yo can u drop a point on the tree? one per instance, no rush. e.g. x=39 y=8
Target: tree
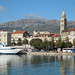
x=45 y=44
x=13 y=42
x=63 y=44
x=52 y=43
x=67 y=39
x=25 y=41
x=68 y=44
x=35 y=43
x=74 y=42
x=19 y=41
x=59 y=43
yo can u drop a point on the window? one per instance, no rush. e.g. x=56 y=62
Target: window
x=4 y=35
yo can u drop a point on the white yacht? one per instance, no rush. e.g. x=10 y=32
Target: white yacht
x=9 y=50
x=69 y=50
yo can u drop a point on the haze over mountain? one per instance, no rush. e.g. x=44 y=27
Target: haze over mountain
x=35 y=24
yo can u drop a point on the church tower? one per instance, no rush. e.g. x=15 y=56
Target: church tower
x=63 y=22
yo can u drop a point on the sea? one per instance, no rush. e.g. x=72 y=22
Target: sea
x=24 y=64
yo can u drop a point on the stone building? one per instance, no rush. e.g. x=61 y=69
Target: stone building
x=63 y=22
x=64 y=32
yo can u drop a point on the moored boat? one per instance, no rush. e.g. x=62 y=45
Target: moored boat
x=69 y=50
x=9 y=50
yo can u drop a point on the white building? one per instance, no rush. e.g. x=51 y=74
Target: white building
x=71 y=34
x=5 y=37
x=19 y=34
x=44 y=35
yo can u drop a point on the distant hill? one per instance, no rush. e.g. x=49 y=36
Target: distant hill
x=34 y=24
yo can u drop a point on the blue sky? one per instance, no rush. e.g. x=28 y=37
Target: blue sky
x=11 y=10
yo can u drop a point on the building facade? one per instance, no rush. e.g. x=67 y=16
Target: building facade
x=44 y=35
x=19 y=34
x=5 y=37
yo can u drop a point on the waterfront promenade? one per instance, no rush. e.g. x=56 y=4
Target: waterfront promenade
x=48 y=53
x=42 y=53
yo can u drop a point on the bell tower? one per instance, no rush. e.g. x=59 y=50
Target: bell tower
x=63 y=22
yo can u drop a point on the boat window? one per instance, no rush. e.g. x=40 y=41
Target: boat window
x=12 y=48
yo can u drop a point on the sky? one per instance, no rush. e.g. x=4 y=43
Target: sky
x=12 y=10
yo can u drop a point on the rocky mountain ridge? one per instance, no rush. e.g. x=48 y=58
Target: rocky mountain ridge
x=35 y=24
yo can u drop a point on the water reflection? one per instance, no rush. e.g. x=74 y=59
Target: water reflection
x=37 y=65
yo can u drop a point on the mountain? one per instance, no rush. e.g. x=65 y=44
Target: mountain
x=35 y=24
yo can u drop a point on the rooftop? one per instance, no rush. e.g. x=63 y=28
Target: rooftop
x=19 y=32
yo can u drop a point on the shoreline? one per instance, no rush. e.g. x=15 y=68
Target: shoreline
x=48 y=53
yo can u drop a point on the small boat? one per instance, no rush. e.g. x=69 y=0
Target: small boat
x=9 y=50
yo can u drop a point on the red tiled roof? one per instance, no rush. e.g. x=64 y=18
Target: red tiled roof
x=52 y=34
x=72 y=29
x=55 y=34
x=19 y=32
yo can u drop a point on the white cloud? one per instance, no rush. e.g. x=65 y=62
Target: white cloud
x=2 y=8
x=40 y=17
x=34 y=16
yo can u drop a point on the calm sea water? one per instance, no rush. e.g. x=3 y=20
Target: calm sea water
x=37 y=65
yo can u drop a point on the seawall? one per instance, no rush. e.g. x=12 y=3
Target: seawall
x=49 y=53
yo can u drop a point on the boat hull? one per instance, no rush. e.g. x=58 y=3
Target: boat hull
x=10 y=51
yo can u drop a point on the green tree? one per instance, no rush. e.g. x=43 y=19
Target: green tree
x=35 y=43
x=68 y=44
x=59 y=43
x=45 y=44
x=19 y=41
x=67 y=39
x=52 y=43
x=74 y=42
x=63 y=44
x=25 y=41
x=13 y=42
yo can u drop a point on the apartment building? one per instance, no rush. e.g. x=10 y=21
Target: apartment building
x=5 y=37
x=19 y=34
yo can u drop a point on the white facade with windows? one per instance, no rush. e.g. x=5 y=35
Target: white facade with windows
x=5 y=37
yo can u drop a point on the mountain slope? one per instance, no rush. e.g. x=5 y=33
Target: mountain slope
x=34 y=24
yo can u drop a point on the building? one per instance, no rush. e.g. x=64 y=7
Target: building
x=5 y=37
x=44 y=35
x=64 y=32
x=19 y=34
x=63 y=22
x=71 y=34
